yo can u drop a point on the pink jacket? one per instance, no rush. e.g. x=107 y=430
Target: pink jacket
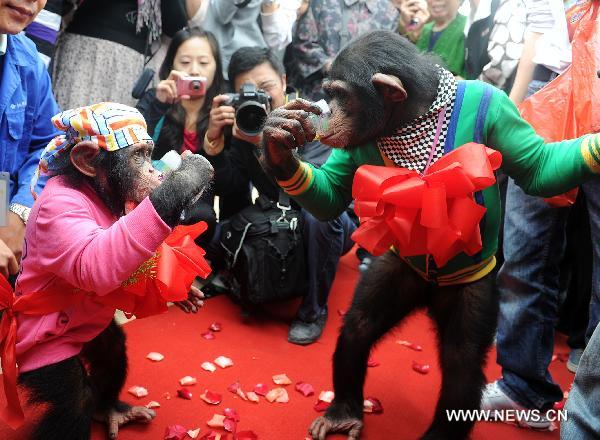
x=72 y=239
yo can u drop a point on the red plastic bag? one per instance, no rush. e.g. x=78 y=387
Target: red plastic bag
x=569 y=106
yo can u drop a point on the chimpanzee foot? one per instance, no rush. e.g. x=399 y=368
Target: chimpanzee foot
x=123 y=414
x=322 y=426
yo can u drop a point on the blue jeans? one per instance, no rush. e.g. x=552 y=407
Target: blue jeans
x=583 y=405
x=529 y=285
x=325 y=243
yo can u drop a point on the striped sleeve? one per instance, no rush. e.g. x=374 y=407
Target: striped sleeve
x=299 y=182
x=590 y=150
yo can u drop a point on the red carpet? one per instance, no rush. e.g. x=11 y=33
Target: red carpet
x=259 y=350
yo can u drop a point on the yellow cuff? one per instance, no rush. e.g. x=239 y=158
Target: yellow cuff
x=590 y=150
x=299 y=182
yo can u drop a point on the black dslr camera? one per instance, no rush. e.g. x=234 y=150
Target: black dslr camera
x=250 y=108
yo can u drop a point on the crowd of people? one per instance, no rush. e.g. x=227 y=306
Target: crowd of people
x=178 y=70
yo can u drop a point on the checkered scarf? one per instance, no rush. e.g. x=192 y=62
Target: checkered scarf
x=410 y=147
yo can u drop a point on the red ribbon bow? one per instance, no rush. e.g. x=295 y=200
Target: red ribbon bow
x=166 y=278
x=431 y=214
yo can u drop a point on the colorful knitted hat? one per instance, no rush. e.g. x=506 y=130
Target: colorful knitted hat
x=110 y=125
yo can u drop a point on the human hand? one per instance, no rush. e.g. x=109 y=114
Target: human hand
x=220 y=117
x=166 y=90
x=8 y=262
x=194 y=301
x=12 y=235
x=414 y=14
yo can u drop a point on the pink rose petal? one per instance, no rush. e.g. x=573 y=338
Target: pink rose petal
x=215 y=327
x=208 y=366
x=175 y=432
x=188 y=380
x=261 y=389
x=153 y=404
x=234 y=387
x=155 y=356
x=208 y=335
x=184 y=393
x=223 y=362
x=410 y=345
x=372 y=405
x=321 y=406
x=213 y=435
x=216 y=421
x=229 y=425
x=193 y=433
x=211 y=398
x=277 y=395
x=372 y=363
x=281 y=379
x=420 y=368
x=245 y=435
x=138 y=391
x=232 y=414
x=326 y=396
x=252 y=396
x=305 y=389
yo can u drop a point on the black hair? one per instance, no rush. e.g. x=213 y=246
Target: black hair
x=247 y=58
x=118 y=175
x=171 y=133
x=389 y=53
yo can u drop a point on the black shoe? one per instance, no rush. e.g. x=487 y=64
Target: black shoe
x=304 y=333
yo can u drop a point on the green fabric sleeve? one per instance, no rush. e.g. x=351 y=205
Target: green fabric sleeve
x=541 y=169
x=330 y=191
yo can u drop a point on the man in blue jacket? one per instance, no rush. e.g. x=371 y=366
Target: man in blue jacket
x=26 y=106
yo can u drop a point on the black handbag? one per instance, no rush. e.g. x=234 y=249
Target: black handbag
x=265 y=253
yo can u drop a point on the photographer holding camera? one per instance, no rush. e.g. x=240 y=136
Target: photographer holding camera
x=259 y=77
x=177 y=111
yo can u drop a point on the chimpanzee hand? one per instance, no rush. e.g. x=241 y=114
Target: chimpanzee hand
x=340 y=417
x=287 y=128
x=193 y=302
x=322 y=426
x=181 y=187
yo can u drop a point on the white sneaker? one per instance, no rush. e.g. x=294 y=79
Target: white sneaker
x=497 y=402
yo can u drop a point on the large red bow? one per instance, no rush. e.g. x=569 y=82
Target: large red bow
x=433 y=214
x=166 y=277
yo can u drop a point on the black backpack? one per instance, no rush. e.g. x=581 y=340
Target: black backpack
x=265 y=252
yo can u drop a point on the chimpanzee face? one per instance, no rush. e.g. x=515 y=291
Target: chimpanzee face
x=130 y=176
x=356 y=117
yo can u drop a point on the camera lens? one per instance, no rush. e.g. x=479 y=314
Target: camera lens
x=250 y=117
x=195 y=85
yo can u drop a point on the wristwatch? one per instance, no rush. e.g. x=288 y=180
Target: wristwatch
x=21 y=210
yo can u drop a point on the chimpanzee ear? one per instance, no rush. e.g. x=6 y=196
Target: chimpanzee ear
x=389 y=87
x=82 y=157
